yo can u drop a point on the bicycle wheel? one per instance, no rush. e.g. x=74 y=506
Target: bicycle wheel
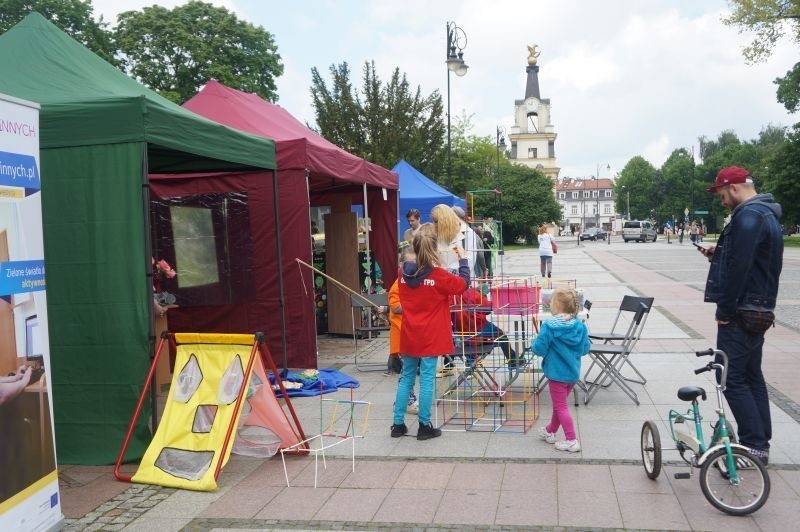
x=742 y=498
x=651 y=449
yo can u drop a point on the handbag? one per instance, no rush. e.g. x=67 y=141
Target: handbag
x=555 y=246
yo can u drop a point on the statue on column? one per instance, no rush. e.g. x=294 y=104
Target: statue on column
x=533 y=53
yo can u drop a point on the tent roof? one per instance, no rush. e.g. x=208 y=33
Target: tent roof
x=87 y=101
x=414 y=184
x=298 y=147
x=419 y=192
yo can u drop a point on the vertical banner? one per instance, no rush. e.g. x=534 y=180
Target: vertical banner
x=29 y=498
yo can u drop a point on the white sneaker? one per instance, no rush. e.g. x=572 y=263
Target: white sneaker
x=413 y=408
x=549 y=437
x=571 y=446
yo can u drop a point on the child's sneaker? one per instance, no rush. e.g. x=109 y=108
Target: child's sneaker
x=571 y=446
x=549 y=437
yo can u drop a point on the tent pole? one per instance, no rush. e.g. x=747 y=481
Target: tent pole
x=148 y=248
x=367 y=223
x=280 y=266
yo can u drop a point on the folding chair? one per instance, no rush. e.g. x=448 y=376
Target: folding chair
x=364 y=324
x=629 y=305
x=610 y=358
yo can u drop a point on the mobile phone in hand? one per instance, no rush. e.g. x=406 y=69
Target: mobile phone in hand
x=695 y=244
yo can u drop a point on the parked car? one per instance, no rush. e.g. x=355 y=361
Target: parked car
x=593 y=233
x=639 y=230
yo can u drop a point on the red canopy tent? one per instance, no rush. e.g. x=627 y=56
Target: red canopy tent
x=311 y=171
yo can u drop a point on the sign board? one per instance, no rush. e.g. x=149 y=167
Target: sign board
x=686 y=211
x=701 y=212
x=29 y=498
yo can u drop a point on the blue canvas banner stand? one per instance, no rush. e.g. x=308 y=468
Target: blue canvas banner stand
x=29 y=497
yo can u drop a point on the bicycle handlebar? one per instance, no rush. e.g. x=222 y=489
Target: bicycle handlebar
x=714 y=365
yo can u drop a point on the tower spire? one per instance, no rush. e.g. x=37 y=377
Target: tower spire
x=532 y=85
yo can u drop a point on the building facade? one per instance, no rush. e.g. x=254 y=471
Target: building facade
x=533 y=135
x=586 y=203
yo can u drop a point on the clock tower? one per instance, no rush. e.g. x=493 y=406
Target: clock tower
x=533 y=136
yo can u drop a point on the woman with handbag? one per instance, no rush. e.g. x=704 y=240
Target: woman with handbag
x=547 y=248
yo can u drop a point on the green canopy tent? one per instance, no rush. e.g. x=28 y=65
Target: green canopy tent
x=101 y=133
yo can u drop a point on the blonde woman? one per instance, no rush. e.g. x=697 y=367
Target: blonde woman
x=448 y=234
x=545 y=252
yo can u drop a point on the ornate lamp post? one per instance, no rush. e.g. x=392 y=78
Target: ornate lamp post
x=456 y=42
x=501 y=147
x=597 y=188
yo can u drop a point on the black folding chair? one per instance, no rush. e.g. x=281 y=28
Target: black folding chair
x=611 y=357
x=364 y=324
x=627 y=311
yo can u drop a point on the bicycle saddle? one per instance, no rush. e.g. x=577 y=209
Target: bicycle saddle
x=690 y=393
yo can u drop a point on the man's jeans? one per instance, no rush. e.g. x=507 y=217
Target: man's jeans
x=746 y=390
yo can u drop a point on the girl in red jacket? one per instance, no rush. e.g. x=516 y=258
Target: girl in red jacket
x=426 y=332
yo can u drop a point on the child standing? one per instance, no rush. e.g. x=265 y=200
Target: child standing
x=561 y=343
x=426 y=332
x=395 y=364
x=471 y=323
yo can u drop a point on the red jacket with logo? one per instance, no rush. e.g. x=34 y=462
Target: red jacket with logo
x=425 y=296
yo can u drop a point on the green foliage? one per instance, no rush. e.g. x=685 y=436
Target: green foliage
x=789 y=89
x=175 y=52
x=384 y=122
x=528 y=201
x=638 y=180
x=770 y=20
x=782 y=178
x=74 y=17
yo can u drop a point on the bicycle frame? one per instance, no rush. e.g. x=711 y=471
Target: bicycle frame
x=720 y=436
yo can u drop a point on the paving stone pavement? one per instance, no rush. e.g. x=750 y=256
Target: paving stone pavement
x=479 y=480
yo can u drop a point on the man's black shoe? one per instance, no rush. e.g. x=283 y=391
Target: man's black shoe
x=427 y=432
x=399 y=430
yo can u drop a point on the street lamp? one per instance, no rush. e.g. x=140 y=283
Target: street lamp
x=456 y=42
x=628 y=193
x=501 y=147
x=597 y=188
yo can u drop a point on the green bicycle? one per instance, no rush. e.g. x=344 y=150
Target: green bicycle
x=732 y=479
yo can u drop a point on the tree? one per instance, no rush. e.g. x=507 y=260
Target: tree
x=175 y=52
x=677 y=187
x=384 y=122
x=782 y=181
x=637 y=178
x=770 y=20
x=74 y=17
x=528 y=202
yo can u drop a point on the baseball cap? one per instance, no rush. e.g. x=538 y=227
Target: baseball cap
x=459 y=212
x=732 y=175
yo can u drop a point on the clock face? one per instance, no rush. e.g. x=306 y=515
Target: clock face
x=531 y=104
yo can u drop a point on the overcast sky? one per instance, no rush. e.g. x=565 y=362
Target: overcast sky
x=624 y=77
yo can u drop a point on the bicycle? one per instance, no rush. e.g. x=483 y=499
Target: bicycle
x=732 y=479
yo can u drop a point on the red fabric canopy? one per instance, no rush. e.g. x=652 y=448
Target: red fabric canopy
x=298 y=147
x=310 y=171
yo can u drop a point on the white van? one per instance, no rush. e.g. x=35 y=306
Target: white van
x=638 y=230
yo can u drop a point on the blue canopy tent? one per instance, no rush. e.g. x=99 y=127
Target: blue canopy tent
x=419 y=192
